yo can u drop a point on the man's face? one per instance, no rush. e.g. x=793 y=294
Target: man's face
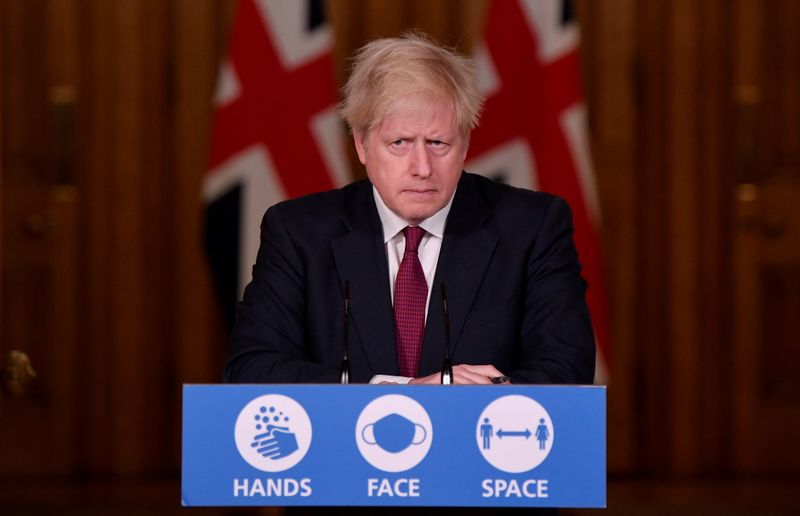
x=414 y=157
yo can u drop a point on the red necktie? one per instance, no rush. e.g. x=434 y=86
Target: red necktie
x=410 y=297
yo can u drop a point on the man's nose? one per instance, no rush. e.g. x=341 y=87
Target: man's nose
x=422 y=162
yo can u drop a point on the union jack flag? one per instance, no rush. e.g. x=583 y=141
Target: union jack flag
x=533 y=131
x=276 y=133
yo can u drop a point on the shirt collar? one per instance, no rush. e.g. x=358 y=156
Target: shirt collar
x=393 y=223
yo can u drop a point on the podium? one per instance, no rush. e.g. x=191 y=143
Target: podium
x=398 y=445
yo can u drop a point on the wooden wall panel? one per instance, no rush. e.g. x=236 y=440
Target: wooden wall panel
x=715 y=186
x=40 y=222
x=449 y=21
x=682 y=267
x=747 y=95
x=2 y=161
x=651 y=324
x=607 y=51
x=200 y=32
x=95 y=131
x=682 y=231
x=117 y=184
x=766 y=343
x=128 y=241
x=200 y=35
x=150 y=70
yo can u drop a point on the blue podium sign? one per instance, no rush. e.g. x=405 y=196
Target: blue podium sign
x=477 y=446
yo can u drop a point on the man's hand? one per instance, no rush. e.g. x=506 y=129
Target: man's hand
x=463 y=374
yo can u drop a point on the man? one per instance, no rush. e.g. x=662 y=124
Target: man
x=506 y=257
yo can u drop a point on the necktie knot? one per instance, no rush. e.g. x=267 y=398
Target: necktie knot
x=413 y=236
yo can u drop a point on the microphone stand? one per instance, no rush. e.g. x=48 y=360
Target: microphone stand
x=447 y=367
x=344 y=377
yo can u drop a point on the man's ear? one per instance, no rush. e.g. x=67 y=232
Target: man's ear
x=359 y=137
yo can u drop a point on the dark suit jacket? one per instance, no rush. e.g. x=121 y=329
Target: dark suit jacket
x=515 y=295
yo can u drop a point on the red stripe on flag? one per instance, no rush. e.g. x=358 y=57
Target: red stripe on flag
x=274 y=107
x=533 y=96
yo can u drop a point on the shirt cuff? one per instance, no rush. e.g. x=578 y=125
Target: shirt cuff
x=378 y=378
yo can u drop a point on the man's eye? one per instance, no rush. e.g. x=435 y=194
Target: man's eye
x=399 y=142
x=439 y=147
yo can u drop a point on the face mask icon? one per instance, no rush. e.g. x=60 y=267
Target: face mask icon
x=394 y=433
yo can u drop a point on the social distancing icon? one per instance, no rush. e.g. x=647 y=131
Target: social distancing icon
x=514 y=434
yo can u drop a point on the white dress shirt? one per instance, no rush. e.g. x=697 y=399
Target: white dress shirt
x=395 y=245
x=395 y=242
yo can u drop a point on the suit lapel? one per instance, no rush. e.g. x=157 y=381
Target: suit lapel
x=360 y=258
x=466 y=252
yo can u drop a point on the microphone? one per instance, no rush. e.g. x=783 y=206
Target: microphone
x=447 y=367
x=344 y=376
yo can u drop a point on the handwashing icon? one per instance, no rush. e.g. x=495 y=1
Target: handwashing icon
x=394 y=433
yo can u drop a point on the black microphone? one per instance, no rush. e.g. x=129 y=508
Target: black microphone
x=344 y=377
x=447 y=367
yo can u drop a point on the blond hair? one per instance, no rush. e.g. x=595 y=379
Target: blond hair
x=386 y=70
